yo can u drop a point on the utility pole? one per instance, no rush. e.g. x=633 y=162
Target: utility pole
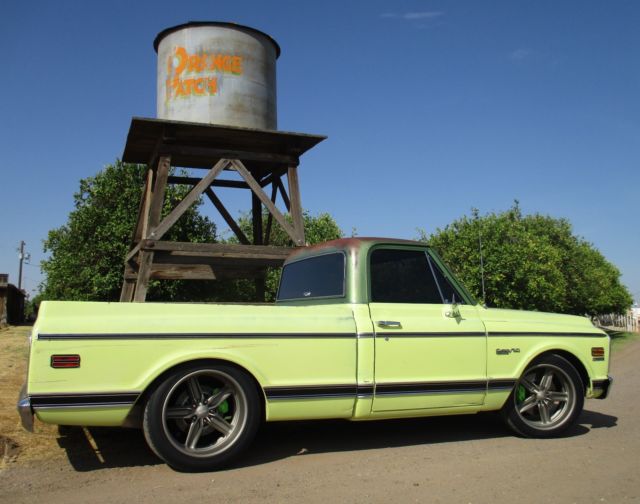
x=22 y=256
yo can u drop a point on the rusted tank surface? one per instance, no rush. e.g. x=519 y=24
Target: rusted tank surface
x=217 y=73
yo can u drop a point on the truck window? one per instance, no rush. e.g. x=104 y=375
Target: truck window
x=446 y=288
x=402 y=276
x=321 y=276
x=407 y=276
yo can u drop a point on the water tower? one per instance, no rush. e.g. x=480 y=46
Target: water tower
x=216 y=113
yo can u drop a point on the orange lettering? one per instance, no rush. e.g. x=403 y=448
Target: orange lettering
x=199 y=86
x=196 y=63
x=219 y=62
x=181 y=56
x=172 y=85
x=212 y=84
x=182 y=62
x=236 y=65
x=180 y=90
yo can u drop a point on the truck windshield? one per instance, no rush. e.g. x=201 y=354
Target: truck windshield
x=321 y=276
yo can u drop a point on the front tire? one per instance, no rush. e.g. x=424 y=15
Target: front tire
x=546 y=400
x=201 y=417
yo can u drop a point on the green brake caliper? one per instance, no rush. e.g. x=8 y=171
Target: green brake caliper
x=520 y=393
x=223 y=409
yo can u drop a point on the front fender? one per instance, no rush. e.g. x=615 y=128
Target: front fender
x=510 y=357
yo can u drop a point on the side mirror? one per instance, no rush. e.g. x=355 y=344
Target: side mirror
x=455 y=309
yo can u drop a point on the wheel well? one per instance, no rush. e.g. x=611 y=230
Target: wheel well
x=574 y=361
x=135 y=417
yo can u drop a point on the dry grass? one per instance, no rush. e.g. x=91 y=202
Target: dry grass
x=15 y=443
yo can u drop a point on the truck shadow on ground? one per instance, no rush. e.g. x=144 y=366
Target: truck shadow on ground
x=100 y=447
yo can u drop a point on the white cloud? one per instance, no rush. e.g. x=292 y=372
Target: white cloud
x=412 y=16
x=520 y=54
x=422 y=15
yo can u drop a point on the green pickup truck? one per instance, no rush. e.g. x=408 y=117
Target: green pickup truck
x=362 y=329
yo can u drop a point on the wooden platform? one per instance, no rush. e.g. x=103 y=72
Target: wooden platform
x=196 y=145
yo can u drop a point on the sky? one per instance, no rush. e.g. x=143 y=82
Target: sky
x=431 y=108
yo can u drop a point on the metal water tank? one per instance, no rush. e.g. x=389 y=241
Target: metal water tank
x=217 y=73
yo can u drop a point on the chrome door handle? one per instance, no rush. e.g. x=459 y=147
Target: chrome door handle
x=389 y=324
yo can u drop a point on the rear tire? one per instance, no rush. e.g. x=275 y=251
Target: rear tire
x=202 y=417
x=546 y=400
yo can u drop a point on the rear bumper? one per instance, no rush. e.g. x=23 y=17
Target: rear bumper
x=25 y=410
x=602 y=388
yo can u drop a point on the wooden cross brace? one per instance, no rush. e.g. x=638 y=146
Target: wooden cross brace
x=151 y=227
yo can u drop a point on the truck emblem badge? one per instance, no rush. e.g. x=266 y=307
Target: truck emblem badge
x=506 y=351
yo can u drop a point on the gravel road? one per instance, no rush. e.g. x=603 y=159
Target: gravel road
x=465 y=459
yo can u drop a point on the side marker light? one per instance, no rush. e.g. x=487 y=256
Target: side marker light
x=65 y=361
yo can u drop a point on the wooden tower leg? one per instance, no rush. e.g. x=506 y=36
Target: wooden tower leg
x=256 y=215
x=128 y=288
x=145 y=258
x=274 y=194
x=296 y=204
x=129 y=284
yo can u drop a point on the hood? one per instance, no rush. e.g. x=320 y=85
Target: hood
x=501 y=320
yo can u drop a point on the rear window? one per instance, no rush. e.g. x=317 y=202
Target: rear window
x=321 y=276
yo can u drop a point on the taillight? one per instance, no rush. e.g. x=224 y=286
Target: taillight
x=65 y=361
x=597 y=353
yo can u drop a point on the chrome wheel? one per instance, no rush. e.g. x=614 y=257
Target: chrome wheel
x=204 y=412
x=545 y=397
x=203 y=416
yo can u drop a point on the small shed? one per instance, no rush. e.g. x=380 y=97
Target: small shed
x=11 y=302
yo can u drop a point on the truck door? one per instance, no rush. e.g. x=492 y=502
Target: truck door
x=429 y=353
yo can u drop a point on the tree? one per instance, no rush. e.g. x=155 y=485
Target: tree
x=532 y=262
x=87 y=253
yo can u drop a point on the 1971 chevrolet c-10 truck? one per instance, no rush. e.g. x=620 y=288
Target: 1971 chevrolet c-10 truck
x=362 y=329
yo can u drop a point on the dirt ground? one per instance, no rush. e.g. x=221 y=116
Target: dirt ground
x=465 y=459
